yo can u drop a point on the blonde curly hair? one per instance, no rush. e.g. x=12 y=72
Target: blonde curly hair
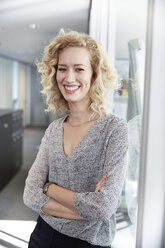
x=105 y=76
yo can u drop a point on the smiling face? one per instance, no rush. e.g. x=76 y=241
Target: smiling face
x=74 y=74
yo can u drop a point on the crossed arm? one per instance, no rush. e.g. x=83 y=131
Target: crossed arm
x=62 y=203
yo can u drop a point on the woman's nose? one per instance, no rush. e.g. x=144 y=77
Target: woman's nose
x=70 y=77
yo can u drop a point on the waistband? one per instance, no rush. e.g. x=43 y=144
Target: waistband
x=63 y=239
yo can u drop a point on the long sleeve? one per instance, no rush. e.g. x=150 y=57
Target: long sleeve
x=33 y=193
x=102 y=151
x=101 y=205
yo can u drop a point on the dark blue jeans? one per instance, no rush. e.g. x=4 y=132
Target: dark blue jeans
x=44 y=236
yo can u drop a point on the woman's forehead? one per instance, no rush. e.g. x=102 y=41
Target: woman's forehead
x=76 y=55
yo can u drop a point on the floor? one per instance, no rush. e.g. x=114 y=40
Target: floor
x=17 y=221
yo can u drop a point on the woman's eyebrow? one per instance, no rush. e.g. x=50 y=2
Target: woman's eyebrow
x=79 y=65
x=74 y=65
x=61 y=64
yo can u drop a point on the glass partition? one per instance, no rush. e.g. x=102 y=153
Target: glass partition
x=128 y=104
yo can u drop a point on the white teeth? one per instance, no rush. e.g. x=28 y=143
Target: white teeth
x=71 y=87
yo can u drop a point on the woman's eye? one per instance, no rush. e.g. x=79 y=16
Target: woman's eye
x=61 y=69
x=79 y=69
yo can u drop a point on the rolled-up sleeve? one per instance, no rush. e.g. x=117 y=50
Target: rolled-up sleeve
x=101 y=205
x=33 y=196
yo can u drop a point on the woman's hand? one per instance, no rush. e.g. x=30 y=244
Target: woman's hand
x=62 y=204
x=54 y=208
x=100 y=183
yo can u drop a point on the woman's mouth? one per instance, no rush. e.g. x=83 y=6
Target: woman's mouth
x=71 y=89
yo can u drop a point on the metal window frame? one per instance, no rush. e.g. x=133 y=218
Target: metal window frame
x=151 y=191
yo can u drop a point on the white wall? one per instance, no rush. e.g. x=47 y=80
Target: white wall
x=131 y=24
x=6 y=83
x=13 y=81
x=38 y=116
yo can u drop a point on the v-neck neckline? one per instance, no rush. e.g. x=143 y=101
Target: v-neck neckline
x=81 y=141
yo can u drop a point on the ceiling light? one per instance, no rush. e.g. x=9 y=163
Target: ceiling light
x=34 y=26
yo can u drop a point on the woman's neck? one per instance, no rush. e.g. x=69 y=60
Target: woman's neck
x=79 y=114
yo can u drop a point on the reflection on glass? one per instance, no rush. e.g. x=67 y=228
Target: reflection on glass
x=134 y=118
x=128 y=104
x=136 y=77
x=131 y=185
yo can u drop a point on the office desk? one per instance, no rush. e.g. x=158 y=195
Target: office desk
x=11 y=134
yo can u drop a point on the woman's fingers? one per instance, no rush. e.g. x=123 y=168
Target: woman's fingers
x=100 y=183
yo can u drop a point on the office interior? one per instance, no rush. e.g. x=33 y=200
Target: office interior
x=132 y=32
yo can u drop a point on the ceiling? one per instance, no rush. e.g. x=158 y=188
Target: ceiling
x=26 y=26
x=46 y=17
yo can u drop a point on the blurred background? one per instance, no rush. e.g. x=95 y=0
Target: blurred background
x=125 y=29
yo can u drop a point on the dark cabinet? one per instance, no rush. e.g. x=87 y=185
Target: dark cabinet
x=11 y=133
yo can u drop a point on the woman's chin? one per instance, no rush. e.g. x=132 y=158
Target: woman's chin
x=72 y=100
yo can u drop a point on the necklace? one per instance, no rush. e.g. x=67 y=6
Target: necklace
x=80 y=124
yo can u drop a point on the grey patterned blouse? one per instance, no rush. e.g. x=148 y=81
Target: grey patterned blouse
x=103 y=150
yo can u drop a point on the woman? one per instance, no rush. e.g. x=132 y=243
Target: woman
x=76 y=181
